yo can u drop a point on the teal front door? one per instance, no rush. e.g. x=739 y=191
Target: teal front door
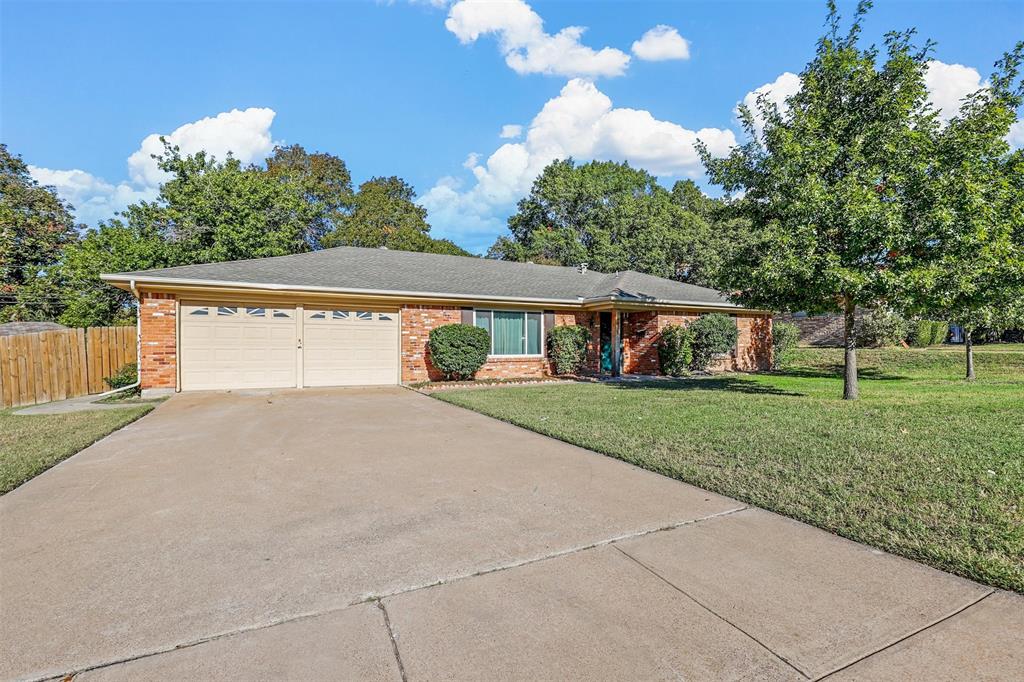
x=606 y=343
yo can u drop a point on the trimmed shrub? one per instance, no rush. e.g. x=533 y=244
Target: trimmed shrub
x=711 y=335
x=880 y=328
x=459 y=350
x=126 y=376
x=922 y=336
x=785 y=336
x=929 y=333
x=675 y=352
x=567 y=347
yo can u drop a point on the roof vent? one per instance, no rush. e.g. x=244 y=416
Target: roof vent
x=582 y=268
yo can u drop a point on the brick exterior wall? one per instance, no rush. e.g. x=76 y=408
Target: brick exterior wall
x=417 y=321
x=158 y=340
x=640 y=334
x=642 y=330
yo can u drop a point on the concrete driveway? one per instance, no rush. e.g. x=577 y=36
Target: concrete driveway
x=380 y=534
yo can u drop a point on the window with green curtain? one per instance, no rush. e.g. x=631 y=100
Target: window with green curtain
x=533 y=334
x=507 y=335
x=513 y=332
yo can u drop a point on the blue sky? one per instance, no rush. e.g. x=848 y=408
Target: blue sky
x=422 y=90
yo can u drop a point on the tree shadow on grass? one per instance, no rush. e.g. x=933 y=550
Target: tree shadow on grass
x=836 y=372
x=730 y=384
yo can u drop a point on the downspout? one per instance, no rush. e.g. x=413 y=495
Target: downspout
x=138 y=345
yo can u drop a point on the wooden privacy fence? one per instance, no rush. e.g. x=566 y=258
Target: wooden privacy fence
x=45 y=366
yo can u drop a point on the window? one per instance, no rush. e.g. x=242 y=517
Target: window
x=200 y=311
x=363 y=315
x=318 y=315
x=383 y=318
x=281 y=313
x=224 y=310
x=256 y=312
x=513 y=332
x=339 y=314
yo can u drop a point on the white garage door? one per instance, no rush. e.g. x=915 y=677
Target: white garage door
x=350 y=347
x=234 y=346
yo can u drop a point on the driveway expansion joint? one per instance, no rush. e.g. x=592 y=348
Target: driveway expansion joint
x=378 y=599
x=904 y=638
x=393 y=638
x=713 y=613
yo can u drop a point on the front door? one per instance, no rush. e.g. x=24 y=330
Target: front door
x=606 y=343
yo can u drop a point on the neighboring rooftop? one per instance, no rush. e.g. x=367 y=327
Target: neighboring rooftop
x=18 y=328
x=347 y=268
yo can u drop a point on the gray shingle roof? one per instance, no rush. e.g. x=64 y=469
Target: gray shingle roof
x=381 y=270
x=18 y=328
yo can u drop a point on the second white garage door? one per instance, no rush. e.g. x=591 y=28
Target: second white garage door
x=350 y=347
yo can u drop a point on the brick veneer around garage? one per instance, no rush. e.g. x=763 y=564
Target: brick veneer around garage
x=158 y=348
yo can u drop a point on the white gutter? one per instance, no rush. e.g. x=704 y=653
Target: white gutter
x=138 y=344
x=264 y=286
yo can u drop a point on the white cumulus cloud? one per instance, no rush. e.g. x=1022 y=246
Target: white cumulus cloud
x=511 y=131
x=661 y=43
x=582 y=123
x=93 y=198
x=776 y=92
x=948 y=84
x=527 y=47
x=1016 y=136
x=243 y=133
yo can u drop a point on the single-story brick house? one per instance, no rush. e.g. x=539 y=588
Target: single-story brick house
x=356 y=316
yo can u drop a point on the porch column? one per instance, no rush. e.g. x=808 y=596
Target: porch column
x=616 y=343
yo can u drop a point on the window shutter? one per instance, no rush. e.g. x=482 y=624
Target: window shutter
x=549 y=324
x=467 y=316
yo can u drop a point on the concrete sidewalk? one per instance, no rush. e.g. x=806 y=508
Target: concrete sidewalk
x=380 y=534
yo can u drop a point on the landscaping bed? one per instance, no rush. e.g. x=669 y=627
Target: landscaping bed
x=31 y=444
x=925 y=465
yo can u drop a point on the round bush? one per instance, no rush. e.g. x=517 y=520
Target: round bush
x=567 y=347
x=785 y=336
x=675 y=351
x=459 y=350
x=881 y=327
x=711 y=335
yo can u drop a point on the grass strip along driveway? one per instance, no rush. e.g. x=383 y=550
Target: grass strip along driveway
x=925 y=465
x=31 y=444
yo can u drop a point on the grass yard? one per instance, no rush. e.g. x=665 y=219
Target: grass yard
x=925 y=465
x=31 y=444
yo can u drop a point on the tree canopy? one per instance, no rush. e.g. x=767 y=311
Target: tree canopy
x=383 y=213
x=838 y=186
x=209 y=211
x=615 y=217
x=36 y=226
x=976 y=278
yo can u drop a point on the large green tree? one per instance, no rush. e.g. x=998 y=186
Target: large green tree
x=837 y=187
x=322 y=180
x=613 y=217
x=977 y=278
x=36 y=226
x=383 y=213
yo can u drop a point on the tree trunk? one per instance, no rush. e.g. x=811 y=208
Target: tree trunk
x=850 y=388
x=969 y=346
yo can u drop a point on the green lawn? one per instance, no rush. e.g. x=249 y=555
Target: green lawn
x=925 y=465
x=31 y=444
